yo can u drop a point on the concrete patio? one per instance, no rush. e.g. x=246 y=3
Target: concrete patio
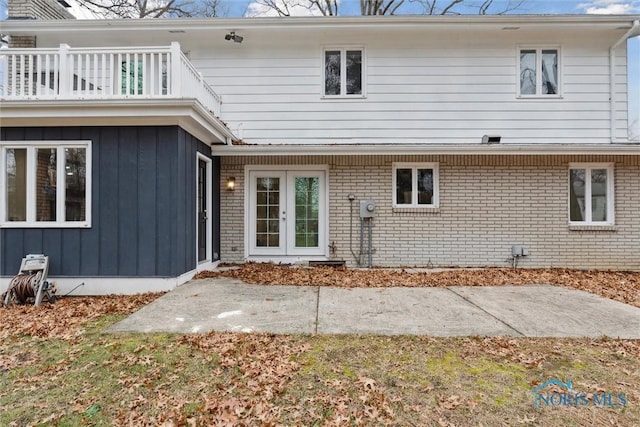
x=532 y=311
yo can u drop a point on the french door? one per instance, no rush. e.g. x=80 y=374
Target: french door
x=287 y=212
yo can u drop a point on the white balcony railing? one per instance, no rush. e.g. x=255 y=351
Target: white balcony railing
x=102 y=74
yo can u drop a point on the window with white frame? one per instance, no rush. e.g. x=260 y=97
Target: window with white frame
x=45 y=184
x=591 y=194
x=415 y=185
x=539 y=71
x=343 y=72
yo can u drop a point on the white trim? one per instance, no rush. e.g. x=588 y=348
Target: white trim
x=208 y=208
x=414 y=181
x=204 y=266
x=187 y=113
x=42 y=27
x=116 y=284
x=3 y=185
x=538 y=49
x=343 y=72
x=300 y=259
x=31 y=147
x=354 y=149
x=587 y=194
x=634 y=30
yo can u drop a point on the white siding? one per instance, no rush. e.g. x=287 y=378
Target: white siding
x=421 y=86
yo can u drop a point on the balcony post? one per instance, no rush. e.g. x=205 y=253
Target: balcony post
x=64 y=72
x=176 y=70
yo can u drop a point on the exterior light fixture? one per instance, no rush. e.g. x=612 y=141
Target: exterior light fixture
x=233 y=36
x=231 y=183
x=491 y=139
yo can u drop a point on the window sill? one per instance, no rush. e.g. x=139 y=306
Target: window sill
x=344 y=97
x=539 y=97
x=417 y=211
x=45 y=225
x=592 y=227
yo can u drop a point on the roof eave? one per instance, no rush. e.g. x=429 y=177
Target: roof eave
x=187 y=113
x=34 y=26
x=428 y=149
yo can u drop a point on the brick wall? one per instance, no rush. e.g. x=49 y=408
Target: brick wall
x=38 y=9
x=232 y=213
x=487 y=204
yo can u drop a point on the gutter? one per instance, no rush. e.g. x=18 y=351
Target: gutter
x=265 y=150
x=633 y=31
x=18 y=27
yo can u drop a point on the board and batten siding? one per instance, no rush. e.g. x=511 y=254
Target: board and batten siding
x=143 y=206
x=432 y=86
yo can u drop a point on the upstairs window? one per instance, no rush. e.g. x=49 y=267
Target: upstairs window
x=591 y=194
x=343 y=72
x=415 y=185
x=45 y=184
x=539 y=72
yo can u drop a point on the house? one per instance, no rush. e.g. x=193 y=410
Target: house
x=395 y=141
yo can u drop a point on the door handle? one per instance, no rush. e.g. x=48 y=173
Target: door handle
x=284 y=215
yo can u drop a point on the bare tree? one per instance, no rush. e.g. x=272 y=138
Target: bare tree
x=152 y=8
x=291 y=7
x=460 y=7
x=326 y=7
x=210 y=9
x=380 y=7
x=393 y=7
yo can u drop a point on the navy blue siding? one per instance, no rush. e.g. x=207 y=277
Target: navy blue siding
x=143 y=206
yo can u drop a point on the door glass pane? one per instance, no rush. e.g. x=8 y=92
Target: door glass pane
x=425 y=186
x=576 y=194
x=599 y=195
x=16 y=164
x=307 y=197
x=267 y=212
x=75 y=168
x=403 y=186
x=46 y=175
x=528 y=72
x=354 y=72
x=332 y=72
x=549 y=72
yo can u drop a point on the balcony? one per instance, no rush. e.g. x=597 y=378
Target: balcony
x=69 y=74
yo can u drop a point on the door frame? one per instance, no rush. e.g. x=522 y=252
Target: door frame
x=209 y=208
x=324 y=239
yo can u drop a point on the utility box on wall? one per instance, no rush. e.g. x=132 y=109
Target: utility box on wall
x=367 y=208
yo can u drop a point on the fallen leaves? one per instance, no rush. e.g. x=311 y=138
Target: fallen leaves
x=232 y=379
x=617 y=285
x=64 y=318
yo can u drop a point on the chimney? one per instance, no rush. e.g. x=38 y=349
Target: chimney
x=35 y=9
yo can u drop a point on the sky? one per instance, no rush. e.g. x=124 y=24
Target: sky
x=236 y=8
x=240 y=7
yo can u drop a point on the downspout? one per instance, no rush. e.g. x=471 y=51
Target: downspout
x=612 y=76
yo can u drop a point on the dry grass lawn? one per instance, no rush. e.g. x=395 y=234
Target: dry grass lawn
x=57 y=368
